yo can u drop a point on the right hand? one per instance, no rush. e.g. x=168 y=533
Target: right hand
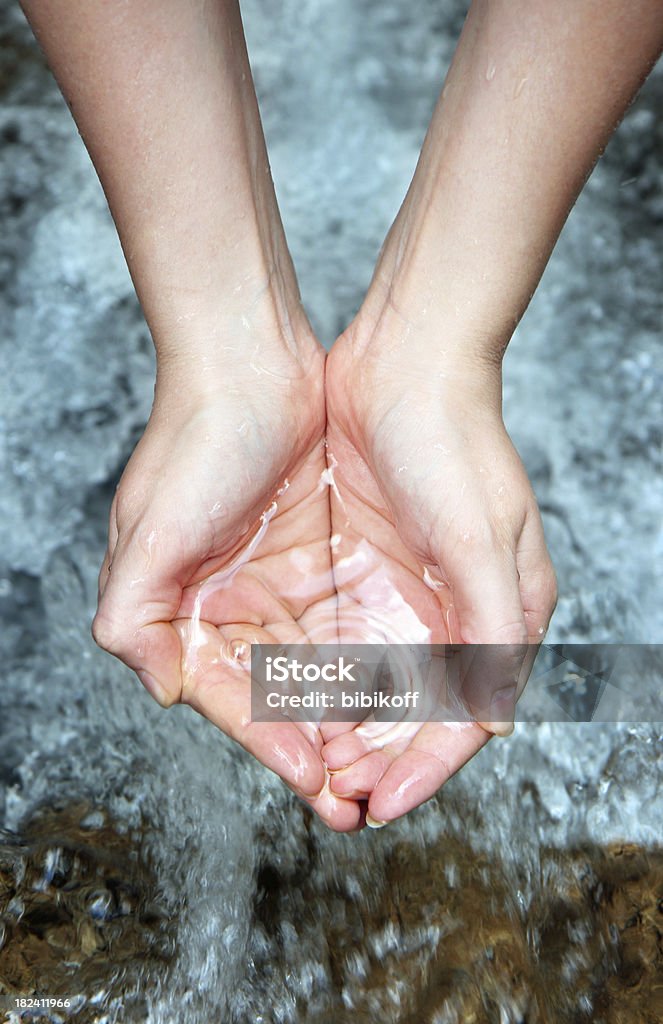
x=187 y=507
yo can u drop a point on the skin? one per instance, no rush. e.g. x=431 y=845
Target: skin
x=239 y=400
x=425 y=476
x=533 y=94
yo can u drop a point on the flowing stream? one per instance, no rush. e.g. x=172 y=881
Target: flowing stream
x=147 y=865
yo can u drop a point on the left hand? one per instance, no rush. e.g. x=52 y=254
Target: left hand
x=440 y=540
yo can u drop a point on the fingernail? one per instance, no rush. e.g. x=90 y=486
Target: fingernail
x=374 y=823
x=502 y=707
x=154 y=688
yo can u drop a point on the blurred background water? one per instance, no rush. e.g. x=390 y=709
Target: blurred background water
x=519 y=893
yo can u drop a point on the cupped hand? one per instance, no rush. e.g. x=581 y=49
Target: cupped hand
x=447 y=547
x=191 y=577
x=440 y=540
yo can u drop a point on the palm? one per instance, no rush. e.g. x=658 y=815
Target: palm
x=190 y=589
x=278 y=588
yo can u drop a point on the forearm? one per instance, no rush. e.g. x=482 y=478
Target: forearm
x=534 y=92
x=162 y=94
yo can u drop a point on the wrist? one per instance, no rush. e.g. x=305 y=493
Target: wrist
x=432 y=355
x=221 y=358
x=268 y=384
x=250 y=329
x=430 y=299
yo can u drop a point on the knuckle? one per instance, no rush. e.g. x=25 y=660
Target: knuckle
x=512 y=634
x=108 y=635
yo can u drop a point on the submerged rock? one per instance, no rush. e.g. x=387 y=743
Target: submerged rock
x=81 y=916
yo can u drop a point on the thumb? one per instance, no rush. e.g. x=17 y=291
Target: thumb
x=134 y=621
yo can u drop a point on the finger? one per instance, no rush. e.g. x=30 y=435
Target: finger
x=337 y=812
x=486 y=681
x=330 y=730
x=217 y=684
x=538 y=583
x=360 y=779
x=135 y=613
x=311 y=731
x=346 y=749
x=281 y=748
x=384 y=741
x=484 y=581
x=435 y=754
x=538 y=587
x=488 y=609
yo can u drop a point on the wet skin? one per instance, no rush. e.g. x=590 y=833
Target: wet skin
x=408 y=489
x=187 y=508
x=288 y=537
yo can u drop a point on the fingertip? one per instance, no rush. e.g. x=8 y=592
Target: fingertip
x=502 y=729
x=374 y=823
x=338 y=814
x=293 y=760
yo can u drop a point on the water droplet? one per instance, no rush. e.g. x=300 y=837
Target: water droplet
x=240 y=650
